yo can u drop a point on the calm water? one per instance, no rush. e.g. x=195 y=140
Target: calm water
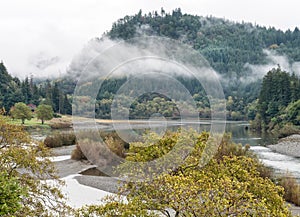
x=242 y=134
x=239 y=130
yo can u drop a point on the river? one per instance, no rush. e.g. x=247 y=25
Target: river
x=238 y=129
x=279 y=162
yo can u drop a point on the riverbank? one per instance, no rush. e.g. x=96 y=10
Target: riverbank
x=289 y=146
x=99 y=186
x=69 y=167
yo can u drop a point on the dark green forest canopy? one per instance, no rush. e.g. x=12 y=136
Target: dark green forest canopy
x=279 y=98
x=227 y=45
x=10 y=89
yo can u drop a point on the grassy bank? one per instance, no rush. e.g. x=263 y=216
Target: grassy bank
x=31 y=124
x=62 y=122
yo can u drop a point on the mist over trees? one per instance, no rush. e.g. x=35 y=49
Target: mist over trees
x=228 y=46
x=13 y=90
x=231 y=48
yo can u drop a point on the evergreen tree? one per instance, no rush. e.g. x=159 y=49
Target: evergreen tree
x=55 y=97
x=278 y=90
x=35 y=95
x=66 y=106
x=48 y=94
x=26 y=90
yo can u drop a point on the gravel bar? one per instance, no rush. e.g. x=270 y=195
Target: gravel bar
x=289 y=146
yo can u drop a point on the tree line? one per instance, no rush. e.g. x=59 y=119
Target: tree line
x=279 y=100
x=13 y=90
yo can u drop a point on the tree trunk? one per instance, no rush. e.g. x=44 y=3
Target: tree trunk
x=23 y=121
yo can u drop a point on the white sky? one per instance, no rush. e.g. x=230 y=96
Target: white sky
x=33 y=30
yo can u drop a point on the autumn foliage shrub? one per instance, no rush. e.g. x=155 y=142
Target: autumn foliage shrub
x=229 y=184
x=287 y=130
x=24 y=167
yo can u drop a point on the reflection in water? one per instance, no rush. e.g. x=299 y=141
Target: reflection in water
x=241 y=134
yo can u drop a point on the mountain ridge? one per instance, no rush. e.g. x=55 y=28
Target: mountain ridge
x=227 y=45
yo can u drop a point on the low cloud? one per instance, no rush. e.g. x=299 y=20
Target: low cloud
x=273 y=61
x=42 y=61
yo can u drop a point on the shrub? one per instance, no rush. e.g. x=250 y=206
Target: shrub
x=287 y=130
x=228 y=185
x=93 y=148
x=291 y=189
x=55 y=115
x=288 y=182
x=23 y=170
x=77 y=154
x=52 y=142
x=68 y=139
x=115 y=145
x=59 y=123
x=60 y=139
x=228 y=148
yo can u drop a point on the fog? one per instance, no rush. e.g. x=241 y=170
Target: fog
x=42 y=37
x=273 y=61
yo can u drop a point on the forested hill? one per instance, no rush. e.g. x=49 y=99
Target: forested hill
x=227 y=45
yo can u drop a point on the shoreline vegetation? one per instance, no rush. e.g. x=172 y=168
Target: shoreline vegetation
x=63 y=122
x=93 y=179
x=277 y=109
x=227 y=151
x=70 y=166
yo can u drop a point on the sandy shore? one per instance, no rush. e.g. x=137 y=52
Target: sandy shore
x=288 y=146
x=64 y=150
x=108 y=184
